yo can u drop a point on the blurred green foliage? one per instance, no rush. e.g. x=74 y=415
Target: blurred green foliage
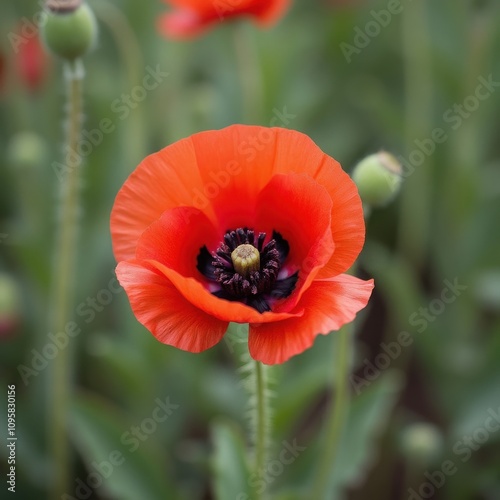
x=410 y=91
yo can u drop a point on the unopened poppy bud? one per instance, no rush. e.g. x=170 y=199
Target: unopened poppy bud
x=378 y=178
x=71 y=28
x=9 y=304
x=422 y=443
x=26 y=150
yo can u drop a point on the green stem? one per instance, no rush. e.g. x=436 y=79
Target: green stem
x=64 y=282
x=130 y=52
x=260 y=418
x=250 y=73
x=414 y=224
x=339 y=409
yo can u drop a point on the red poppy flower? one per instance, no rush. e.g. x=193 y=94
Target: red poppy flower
x=31 y=62
x=248 y=225
x=191 y=17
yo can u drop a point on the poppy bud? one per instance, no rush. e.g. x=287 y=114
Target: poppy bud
x=378 y=178
x=26 y=150
x=421 y=443
x=71 y=28
x=9 y=304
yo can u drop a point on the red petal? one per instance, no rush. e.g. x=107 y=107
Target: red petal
x=300 y=210
x=242 y=160
x=167 y=179
x=176 y=239
x=298 y=153
x=181 y=24
x=196 y=293
x=270 y=12
x=165 y=313
x=328 y=305
x=191 y=17
x=222 y=173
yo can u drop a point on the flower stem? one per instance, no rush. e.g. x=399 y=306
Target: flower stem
x=130 y=52
x=64 y=282
x=260 y=418
x=339 y=409
x=414 y=224
x=250 y=73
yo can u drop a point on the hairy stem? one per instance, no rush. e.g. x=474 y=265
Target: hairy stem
x=260 y=420
x=64 y=282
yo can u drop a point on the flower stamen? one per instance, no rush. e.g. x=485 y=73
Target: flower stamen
x=246 y=270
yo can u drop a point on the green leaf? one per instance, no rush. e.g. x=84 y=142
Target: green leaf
x=230 y=469
x=367 y=419
x=129 y=469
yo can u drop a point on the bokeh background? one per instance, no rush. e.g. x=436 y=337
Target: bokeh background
x=426 y=376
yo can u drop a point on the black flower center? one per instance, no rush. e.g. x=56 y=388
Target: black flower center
x=246 y=270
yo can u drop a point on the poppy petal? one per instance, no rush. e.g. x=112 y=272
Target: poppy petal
x=328 y=305
x=177 y=238
x=222 y=173
x=158 y=305
x=164 y=180
x=298 y=153
x=196 y=293
x=182 y=23
x=243 y=159
x=191 y=17
x=299 y=209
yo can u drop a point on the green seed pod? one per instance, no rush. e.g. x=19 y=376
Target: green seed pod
x=70 y=30
x=378 y=178
x=421 y=443
x=26 y=150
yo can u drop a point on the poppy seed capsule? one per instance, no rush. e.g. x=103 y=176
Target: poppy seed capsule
x=71 y=29
x=378 y=178
x=245 y=258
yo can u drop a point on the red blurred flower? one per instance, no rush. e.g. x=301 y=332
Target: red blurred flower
x=31 y=63
x=189 y=215
x=191 y=17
